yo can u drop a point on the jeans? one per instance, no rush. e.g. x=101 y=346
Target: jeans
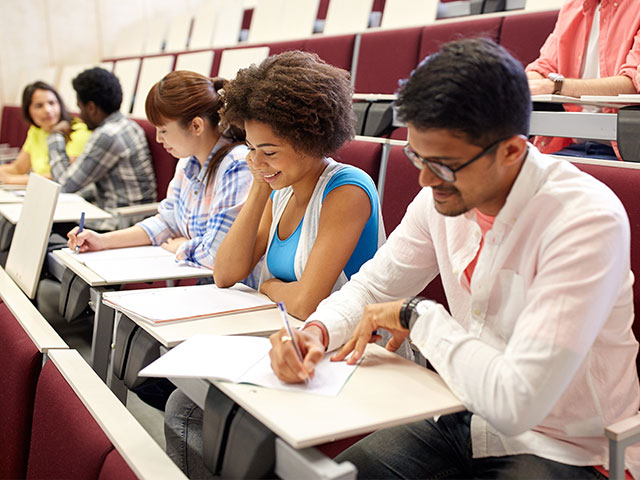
x=442 y=449
x=183 y=434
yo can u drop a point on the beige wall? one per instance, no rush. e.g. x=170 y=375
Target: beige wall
x=36 y=34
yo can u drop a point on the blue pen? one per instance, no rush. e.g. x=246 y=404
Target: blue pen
x=80 y=228
x=287 y=326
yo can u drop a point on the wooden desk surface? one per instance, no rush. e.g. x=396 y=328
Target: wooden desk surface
x=258 y=323
x=384 y=391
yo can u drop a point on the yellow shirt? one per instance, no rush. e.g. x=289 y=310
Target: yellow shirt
x=36 y=145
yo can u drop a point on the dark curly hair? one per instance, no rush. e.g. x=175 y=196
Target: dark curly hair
x=99 y=86
x=304 y=100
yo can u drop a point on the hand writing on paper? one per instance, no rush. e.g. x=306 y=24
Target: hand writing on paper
x=284 y=360
x=173 y=244
x=379 y=315
x=86 y=241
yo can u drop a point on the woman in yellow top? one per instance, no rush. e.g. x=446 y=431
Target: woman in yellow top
x=44 y=109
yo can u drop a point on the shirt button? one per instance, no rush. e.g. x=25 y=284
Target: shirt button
x=477 y=312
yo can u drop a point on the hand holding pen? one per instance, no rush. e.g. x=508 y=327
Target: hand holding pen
x=294 y=353
x=80 y=228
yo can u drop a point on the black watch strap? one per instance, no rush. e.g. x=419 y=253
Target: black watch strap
x=407 y=309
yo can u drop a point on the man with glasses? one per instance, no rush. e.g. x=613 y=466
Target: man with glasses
x=534 y=259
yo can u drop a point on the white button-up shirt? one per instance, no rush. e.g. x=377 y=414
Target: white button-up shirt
x=541 y=348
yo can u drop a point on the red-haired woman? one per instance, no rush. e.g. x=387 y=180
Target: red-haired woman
x=211 y=182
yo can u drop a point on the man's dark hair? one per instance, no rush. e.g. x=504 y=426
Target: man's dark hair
x=471 y=86
x=99 y=86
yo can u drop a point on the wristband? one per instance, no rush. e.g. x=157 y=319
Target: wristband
x=319 y=325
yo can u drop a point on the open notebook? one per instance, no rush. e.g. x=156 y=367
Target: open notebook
x=241 y=359
x=132 y=264
x=160 y=305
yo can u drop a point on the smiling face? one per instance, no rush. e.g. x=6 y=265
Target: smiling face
x=44 y=109
x=484 y=184
x=275 y=160
x=177 y=140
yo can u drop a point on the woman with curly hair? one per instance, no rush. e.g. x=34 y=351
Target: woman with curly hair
x=316 y=221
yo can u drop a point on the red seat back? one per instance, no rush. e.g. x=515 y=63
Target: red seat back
x=364 y=155
x=115 y=468
x=66 y=441
x=434 y=36
x=14 y=127
x=385 y=57
x=400 y=188
x=164 y=165
x=335 y=50
x=21 y=362
x=625 y=183
x=523 y=35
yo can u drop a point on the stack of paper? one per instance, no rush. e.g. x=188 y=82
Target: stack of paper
x=241 y=359
x=159 y=305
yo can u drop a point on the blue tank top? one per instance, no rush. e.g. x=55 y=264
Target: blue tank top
x=282 y=253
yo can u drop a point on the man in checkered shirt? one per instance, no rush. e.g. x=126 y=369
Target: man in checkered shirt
x=115 y=168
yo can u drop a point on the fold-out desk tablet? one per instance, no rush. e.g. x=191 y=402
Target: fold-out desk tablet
x=103 y=319
x=384 y=391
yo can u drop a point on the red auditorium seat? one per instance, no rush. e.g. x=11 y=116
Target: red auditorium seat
x=115 y=468
x=434 y=36
x=336 y=50
x=164 y=165
x=524 y=34
x=14 y=127
x=21 y=362
x=66 y=441
x=624 y=183
x=400 y=188
x=364 y=155
x=385 y=57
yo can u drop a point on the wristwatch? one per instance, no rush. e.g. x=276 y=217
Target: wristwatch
x=558 y=82
x=411 y=309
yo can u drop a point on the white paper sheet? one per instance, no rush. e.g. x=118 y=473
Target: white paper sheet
x=242 y=359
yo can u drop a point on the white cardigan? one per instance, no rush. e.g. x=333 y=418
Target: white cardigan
x=310 y=222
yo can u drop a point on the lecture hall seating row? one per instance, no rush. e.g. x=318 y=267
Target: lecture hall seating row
x=60 y=420
x=382 y=57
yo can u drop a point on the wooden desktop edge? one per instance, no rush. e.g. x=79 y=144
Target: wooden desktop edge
x=158 y=331
x=37 y=328
x=244 y=395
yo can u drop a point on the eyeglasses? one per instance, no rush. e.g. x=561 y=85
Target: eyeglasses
x=440 y=170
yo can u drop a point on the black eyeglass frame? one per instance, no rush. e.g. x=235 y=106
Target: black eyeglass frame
x=444 y=172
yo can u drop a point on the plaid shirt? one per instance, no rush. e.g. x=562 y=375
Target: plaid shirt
x=116 y=158
x=201 y=213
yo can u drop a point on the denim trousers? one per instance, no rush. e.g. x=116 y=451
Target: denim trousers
x=442 y=449
x=183 y=434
